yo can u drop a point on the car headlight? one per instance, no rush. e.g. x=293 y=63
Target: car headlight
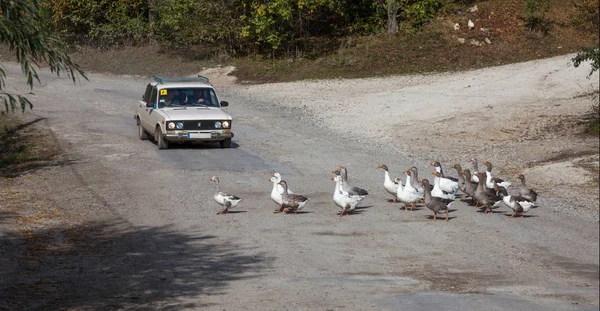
x=179 y=125
x=225 y=124
x=171 y=125
x=218 y=124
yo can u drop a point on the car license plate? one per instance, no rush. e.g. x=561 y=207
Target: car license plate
x=198 y=135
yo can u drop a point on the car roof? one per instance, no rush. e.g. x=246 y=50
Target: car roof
x=199 y=81
x=180 y=84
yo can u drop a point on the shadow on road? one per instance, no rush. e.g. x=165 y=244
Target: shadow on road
x=107 y=266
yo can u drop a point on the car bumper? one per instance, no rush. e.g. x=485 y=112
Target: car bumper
x=183 y=136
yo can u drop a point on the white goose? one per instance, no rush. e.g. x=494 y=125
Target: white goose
x=437 y=190
x=346 y=187
x=224 y=199
x=346 y=202
x=408 y=194
x=279 y=187
x=390 y=185
x=490 y=179
x=276 y=193
x=447 y=184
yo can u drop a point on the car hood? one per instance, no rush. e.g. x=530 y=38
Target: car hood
x=196 y=113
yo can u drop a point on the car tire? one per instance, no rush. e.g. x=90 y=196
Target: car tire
x=226 y=143
x=143 y=135
x=160 y=141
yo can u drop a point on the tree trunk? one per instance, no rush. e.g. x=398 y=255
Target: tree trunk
x=392 y=10
x=151 y=12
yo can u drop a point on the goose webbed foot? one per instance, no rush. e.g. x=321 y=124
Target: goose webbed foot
x=224 y=211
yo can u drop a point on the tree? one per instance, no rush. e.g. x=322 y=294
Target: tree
x=392 y=7
x=588 y=54
x=21 y=28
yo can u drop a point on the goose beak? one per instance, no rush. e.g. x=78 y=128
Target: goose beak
x=421 y=180
x=333 y=172
x=332 y=178
x=339 y=166
x=279 y=183
x=273 y=174
x=433 y=173
x=378 y=166
x=452 y=166
x=431 y=163
x=404 y=172
x=485 y=162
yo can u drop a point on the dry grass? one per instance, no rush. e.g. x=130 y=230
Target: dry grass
x=23 y=147
x=436 y=48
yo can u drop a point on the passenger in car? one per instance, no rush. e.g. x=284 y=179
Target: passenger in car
x=171 y=98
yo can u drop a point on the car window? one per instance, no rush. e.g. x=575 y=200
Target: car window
x=188 y=96
x=148 y=93
x=153 y=96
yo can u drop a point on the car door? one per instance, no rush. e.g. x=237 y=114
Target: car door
x=151 y=113
x=141 y=108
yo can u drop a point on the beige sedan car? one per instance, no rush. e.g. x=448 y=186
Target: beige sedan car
x=182 y=110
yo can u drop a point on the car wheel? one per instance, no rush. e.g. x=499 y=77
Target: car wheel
x=225 y=143
x=143 y=135
x=160 y=142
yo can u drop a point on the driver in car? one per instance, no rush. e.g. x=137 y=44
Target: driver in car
x=199 y=98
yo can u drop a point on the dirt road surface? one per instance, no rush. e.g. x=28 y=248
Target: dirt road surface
x=141 y=231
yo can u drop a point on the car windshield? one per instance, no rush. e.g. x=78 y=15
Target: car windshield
x=187 y=97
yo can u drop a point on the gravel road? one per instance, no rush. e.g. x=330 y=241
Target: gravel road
x=147 y=235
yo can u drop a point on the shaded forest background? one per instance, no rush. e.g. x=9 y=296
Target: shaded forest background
x=285 y=40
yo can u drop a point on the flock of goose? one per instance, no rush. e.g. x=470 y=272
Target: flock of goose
x=481 y=189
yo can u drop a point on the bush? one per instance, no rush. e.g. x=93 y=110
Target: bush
x=100 y=23
x=535 y=15
x=420 y=13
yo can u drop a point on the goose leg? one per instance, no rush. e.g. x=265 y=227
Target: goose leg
x=513 y=215
x=224 y=211
x=434 y=216
x=395 y=200
x=413 y=206
x=447 y=211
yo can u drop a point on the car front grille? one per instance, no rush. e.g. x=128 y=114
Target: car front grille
x=200 y=125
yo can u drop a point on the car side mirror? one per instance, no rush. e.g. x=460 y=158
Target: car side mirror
x=150 y=105
x=224 y=104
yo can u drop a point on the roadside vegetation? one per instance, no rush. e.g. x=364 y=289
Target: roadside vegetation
x=282 y=40
x=23 y=147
